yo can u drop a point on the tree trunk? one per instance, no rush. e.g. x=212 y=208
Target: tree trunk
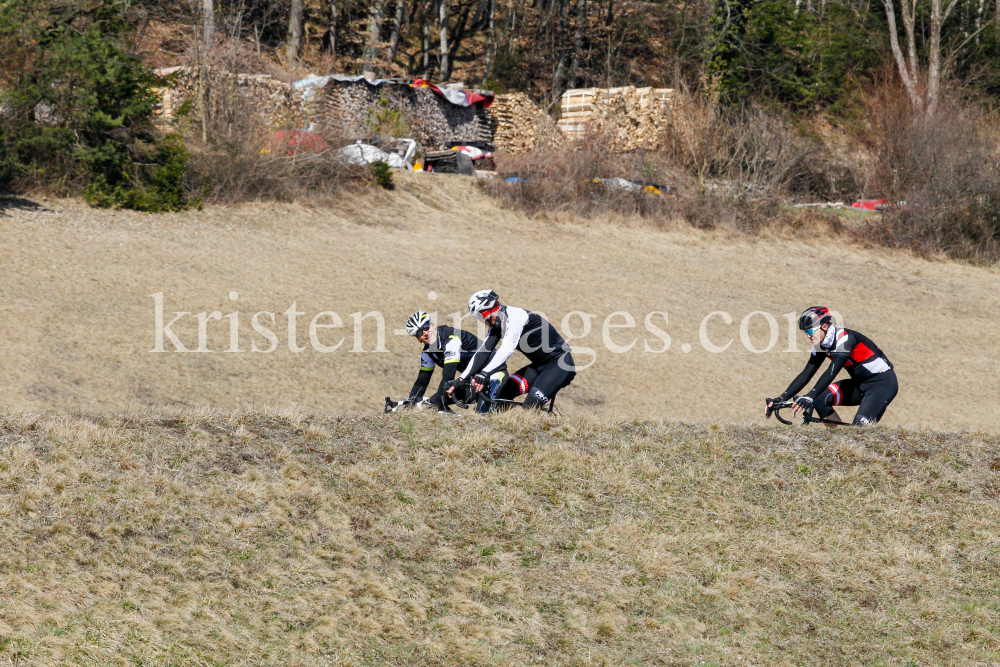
x=294 y=32
x=374 y=28
x=934 y=75
x=331 y=34
x=397 y=23
x=558 y=81
x=897 y=53
x=445 y=58
x=581 y=22
x=611 y=13
x=208 y=24
x=490 y=41
x=426 y=33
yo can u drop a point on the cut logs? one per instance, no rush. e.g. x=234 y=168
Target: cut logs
x=520 y=126
x=628 y=117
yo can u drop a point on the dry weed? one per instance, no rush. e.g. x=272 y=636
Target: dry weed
x=157 y=538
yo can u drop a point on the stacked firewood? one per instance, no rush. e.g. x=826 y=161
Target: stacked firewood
x=356 y=110
x=626 y=118
x=520 y=126
x=278 y=102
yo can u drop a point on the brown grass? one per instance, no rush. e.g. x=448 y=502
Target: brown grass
x=77 y=321
x=275 y=537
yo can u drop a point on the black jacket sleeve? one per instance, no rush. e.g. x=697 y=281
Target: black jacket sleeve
x=482 y=355
x=420 y=386
x=837 y=362
x=815 y=361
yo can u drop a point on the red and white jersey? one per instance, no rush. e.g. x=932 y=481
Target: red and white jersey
x=863 y=357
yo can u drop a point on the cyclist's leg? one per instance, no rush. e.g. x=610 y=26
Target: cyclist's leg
x=843 y=392
x=518 y=383
x=552 y=376
x=878 y=393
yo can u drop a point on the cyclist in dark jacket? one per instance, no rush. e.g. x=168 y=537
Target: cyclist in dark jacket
x=872 y=384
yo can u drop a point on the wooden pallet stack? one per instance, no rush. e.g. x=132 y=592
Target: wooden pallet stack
x=628 y=117
x=520 y=126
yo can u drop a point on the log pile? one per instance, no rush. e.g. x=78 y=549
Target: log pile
x=278 y=102
x=627 y=118
x=356 y=110
x=520 y=126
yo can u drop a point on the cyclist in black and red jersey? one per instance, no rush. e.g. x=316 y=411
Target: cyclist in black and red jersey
x=872 y=383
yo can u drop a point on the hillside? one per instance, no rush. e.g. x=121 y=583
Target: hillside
x=275 y=537
x=78 y=325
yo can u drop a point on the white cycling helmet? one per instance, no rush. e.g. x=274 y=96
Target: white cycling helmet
x=482 y=302
x=417 y=322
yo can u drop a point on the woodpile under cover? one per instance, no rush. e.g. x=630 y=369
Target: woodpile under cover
x=351 y=109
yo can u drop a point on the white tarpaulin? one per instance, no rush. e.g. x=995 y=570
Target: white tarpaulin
x=360 y=153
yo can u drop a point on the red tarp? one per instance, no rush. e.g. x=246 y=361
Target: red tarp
x=869 y=204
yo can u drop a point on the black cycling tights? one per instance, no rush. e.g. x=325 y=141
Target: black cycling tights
x=541 y=382
x=872 y=395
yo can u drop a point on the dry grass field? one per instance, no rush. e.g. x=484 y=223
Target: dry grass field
x=77 y=315
x=267 y=537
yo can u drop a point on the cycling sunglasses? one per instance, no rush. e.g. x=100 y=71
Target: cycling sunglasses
x=810 y=332
x=421 y=332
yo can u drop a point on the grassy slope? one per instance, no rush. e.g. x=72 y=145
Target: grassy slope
x=76 y=318
x=279 y=538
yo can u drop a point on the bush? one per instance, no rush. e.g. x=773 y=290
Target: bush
x=382 y=174
x=940 y=173
x=572 y=179
x=79 y=108
x=160 y=188
x=231 y=168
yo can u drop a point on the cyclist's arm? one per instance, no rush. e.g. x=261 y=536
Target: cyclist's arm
x=481 y=357
x=837 y=362
x=423 y=377
x=815 y=361
x=516 y=319
x=452 y=357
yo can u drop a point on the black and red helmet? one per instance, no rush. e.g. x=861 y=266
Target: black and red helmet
x=814 y=317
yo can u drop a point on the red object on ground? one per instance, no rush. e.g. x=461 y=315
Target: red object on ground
x=869 y=204
x=290 y=142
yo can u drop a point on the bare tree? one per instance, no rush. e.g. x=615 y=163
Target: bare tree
x=425 y=31
x=443 y=20
x=374 y=27
x=581 y=23
x=559 y=80
x=208 y=23
x=294 y=31
x=397 y=22
x=490 y=41
x=331 y=33
x=923 y=88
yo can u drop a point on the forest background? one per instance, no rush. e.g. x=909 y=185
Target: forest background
x=785 y=99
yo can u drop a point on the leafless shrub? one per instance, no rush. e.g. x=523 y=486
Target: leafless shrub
x=941 y=174
x=751 y=152
x=238 y=158
x=586 y=180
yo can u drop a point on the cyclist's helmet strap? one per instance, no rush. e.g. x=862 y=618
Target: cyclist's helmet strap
x=417 y=322
x=814 y=317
